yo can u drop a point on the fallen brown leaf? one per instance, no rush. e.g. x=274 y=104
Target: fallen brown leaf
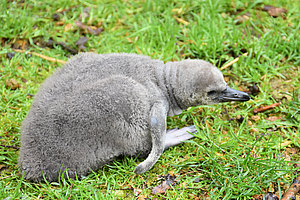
x=274 y=11
x=165 y=185
x=161 y=189
x=273 y=118
x=12 y=84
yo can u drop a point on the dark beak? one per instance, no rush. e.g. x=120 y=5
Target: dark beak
x=232 y=95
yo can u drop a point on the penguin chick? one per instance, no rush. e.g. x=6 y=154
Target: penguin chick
x=98 y=107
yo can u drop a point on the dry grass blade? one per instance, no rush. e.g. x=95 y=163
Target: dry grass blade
x=41 y=56
x=232 y=62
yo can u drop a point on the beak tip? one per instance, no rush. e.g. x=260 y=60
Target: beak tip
x=247 y=97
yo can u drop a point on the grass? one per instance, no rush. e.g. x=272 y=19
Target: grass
x=236 y=154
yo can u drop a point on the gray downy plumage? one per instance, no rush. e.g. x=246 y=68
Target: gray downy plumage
x=98 y=107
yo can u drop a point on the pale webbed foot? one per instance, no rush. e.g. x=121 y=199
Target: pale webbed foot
x=177 y=136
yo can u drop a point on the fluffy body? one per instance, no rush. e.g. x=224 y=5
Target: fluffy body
x=98 y=107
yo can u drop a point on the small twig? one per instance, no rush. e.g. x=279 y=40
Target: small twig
x=41 y=56
x=70 y=191
x=293 y=190
x=264 y=108
x=8 y=146
x=232 y=62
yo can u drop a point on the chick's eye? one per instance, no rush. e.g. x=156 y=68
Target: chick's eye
x=212 y=92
